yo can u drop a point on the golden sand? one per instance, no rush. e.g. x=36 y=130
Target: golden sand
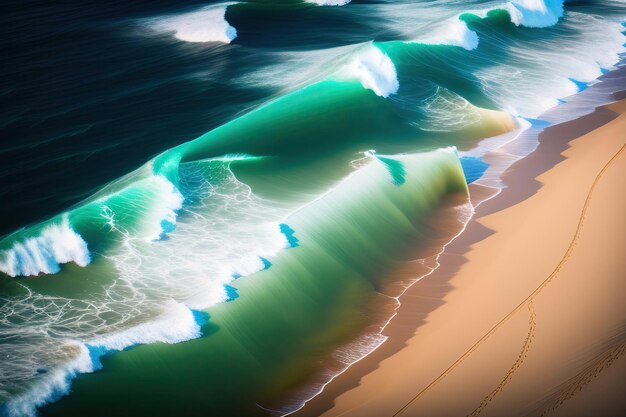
x=528 y=316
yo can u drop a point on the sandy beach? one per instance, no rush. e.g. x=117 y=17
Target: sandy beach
x=525 y=316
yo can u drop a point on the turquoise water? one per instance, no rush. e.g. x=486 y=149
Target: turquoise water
x=473 y=168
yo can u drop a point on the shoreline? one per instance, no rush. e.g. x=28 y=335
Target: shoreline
x=425 y=296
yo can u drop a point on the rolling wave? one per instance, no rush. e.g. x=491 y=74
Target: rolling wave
x=329 y=2
x=535 y=13
x=149 y=272
x=207 y=24
x=57 y=244
x=176 y=324
x=528 y=13
x=454 y=33
x=375 y=71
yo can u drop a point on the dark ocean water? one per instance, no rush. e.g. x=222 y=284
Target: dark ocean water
x=87 y=97
x=216 y=221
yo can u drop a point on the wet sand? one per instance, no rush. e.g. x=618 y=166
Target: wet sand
x=525 y=316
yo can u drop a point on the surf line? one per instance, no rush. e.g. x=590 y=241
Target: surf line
x=529 y=299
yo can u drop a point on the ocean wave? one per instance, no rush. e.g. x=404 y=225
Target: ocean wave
x=162 y=215
x=454 y=33
x=57 y=244
x=207 y=24
x=329 y=2
x=204 y=229
x=375 y=70
x=354 y=231
x=52 y=385
x=535 y=13
x=527 y=13
x=574 y=65
x=156 y=289
x=154 y=285
x=177 y=323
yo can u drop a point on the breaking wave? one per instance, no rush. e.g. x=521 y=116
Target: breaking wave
x=453 y=33
x=56 y=244
x=177 y=323
x=207 y=24
x=375 y=71
x=329 y=2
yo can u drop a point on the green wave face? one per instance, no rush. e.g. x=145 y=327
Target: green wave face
x=308 y=138
x=313 y=133
x=291 y=315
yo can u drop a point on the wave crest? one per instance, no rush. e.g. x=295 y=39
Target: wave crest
x=376 y=72
x=57 y=244
x=535 y=13
x=329 y=2
x=207 y=24
x=454 y=33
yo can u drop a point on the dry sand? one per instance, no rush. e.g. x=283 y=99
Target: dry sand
x=526 y=315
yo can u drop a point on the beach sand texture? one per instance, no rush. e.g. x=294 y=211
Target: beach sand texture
x=526 y=314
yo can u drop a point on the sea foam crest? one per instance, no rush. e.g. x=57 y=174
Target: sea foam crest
x=376 y=72
x=573 y=64
x=329 y=2
x=177 y=323
x=162 y=218
x=529 y=13
x=534 y=13
x=57 y=244
x=454 y=33
x=207 y=24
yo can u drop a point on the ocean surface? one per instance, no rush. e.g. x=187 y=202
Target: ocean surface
x=211 y=208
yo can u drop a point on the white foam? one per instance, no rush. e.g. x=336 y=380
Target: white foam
x=531 y=13
x=538 y=13
x=375 y=71
x=586 y=60
x=57 y=244
x=162 y=215
x=248 y=265
x=455 y=32
x=176 y=324
x=223 y=224
x=207 y=24
x=51 y=385
x=329 y=2
x=447 y=111
x=530 y=88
